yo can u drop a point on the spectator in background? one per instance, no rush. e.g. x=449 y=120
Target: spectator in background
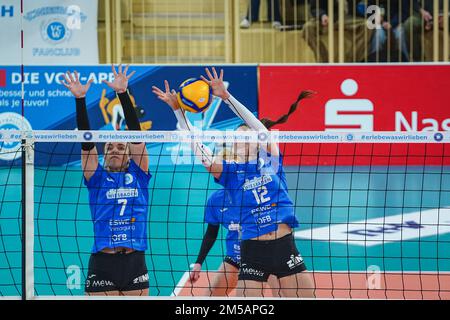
x=295 y=13
x=421 y=25
x=315 y=31
x=273 y=13
x=388 y=19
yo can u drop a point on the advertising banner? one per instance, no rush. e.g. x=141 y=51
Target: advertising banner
x=360 y=98
x=48 y=105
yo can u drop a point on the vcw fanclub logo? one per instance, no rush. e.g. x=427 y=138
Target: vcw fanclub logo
x=54 y=31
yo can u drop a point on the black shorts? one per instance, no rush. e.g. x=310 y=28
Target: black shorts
x=261 y=258
x=119 y=271
x=232 y=262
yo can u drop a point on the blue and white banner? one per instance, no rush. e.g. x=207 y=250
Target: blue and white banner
x=48 y=105
x=54 y=31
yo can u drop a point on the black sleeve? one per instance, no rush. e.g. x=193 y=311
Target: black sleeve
x=129 y=111
x=208 y=241
x=83 y=121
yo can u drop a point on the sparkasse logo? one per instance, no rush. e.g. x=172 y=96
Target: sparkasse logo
x=351 y=114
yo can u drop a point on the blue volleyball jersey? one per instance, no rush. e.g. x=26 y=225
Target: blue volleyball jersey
x=259 y=189
x=119 y=207
x=220 y=211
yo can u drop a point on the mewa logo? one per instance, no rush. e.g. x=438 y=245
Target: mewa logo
x=357 y=115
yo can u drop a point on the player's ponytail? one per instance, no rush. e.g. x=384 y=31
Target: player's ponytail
x=268 y=123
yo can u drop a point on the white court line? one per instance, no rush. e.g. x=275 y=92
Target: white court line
x=180 y=284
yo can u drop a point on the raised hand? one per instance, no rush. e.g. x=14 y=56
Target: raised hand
x=72 y=82
x=168 y=96
x=120 y=83
x=216 y=83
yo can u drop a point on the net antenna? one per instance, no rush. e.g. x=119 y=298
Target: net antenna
x=28 y=219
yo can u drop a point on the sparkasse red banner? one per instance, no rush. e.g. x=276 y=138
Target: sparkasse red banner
x=361 y=98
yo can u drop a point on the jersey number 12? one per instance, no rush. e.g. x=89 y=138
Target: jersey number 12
x=260 y=195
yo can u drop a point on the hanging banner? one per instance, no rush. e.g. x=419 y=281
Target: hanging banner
x=48 y=105
x=54 y=31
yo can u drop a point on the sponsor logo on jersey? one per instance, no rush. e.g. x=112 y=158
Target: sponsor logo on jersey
x=128 y=178
x=257 y=182
x=122 y=193
x=252 y=272
x=234 y=226
x=141 y=279
x=121 y=222
x=295 y=261
x=97 y=283
x=122 y=225
x=258 y=210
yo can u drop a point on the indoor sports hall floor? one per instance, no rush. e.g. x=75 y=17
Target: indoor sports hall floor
x=389 y=203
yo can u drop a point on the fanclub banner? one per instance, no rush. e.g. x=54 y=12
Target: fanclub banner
x=54 y=31
x=362 y=98
x=48 y=105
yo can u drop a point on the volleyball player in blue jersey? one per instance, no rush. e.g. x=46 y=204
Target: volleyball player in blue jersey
x=220 y=211
x=257 y=184
x=118 y=198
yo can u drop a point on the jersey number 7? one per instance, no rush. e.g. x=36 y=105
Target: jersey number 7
x=123 y=202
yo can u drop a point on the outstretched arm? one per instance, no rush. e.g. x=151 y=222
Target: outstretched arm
x=213 y=165
x=119 y=85
x=89 y=155
x=219 y=90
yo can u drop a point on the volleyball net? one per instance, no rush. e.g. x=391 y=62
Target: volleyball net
x=374 y=211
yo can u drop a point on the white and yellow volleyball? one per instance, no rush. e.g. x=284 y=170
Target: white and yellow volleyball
x=194 y=95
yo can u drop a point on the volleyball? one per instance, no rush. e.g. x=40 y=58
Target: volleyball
x=194 y=95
